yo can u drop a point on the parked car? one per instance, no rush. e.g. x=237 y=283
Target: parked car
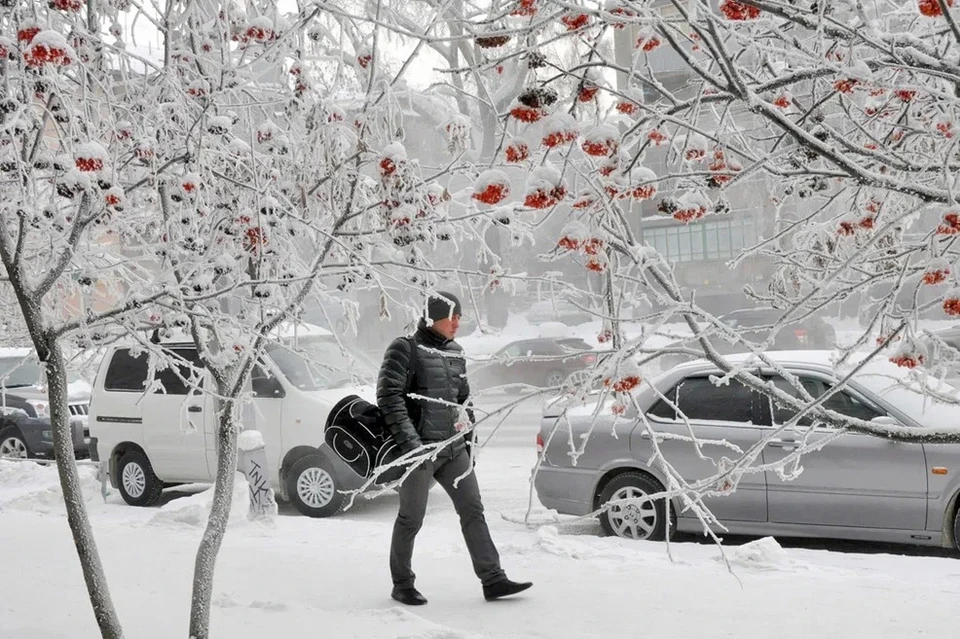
x=150 y=440
x=557 y=311
x=544 y=362
x=855 y=487
x=25 y=430
x=913 y=298
x=755 y=324
x=946 y=358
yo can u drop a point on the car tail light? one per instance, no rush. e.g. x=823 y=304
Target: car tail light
x=589 y=359
x=539 y=443
x=801 y=334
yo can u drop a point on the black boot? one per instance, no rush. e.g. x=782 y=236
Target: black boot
x=504 y=588
x=409 y=596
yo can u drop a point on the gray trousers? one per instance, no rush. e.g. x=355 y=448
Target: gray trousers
x=466 y=501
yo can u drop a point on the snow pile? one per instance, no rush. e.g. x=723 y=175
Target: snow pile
x=250 y=440
x=762 y=554
x=30 y=487
x=399 y=623
x=225 y=600
x=195 y=509
x=584 y=547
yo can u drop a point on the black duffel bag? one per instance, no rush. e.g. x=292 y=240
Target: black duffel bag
x=358 y=435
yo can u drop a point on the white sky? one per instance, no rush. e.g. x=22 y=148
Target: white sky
x=146 y=41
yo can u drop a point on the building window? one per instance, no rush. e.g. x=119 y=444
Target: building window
x=711 y=240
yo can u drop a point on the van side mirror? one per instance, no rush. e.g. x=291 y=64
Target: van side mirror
x=266 y=387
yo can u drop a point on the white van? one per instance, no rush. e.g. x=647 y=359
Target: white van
x=153 y=440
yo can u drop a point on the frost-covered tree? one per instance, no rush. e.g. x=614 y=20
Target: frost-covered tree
x=836 y=120
x=68 y=203
x=208 y=188
x=261 y=158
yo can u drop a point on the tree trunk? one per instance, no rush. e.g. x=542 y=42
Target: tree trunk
x=217 y=523
x=93 y=574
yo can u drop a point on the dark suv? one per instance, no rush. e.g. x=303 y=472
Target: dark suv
x=544 y=362
x=755 y=324
x=25 y=430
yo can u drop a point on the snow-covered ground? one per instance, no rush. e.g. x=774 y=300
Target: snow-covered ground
x=329 y=578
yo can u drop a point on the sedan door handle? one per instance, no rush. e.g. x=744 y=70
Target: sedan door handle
x=194 y=409
x=786 y=444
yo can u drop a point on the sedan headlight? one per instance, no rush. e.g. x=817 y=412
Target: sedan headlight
x=46 y=434
x=41 y=406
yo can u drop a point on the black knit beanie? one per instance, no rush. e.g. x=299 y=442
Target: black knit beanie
x=438 y=306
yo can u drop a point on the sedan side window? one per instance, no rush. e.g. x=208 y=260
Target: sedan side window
x=842 y=402
x=783 y=413
x=846 y=404
x=699 y=399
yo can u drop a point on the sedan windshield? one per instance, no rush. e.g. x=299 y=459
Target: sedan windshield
x=317 y=363
x=889 y=382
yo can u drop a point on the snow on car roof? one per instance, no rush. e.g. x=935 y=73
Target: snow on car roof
x=286 y=330
x=818 y=359
x=17 y=351
x=759 y=310
x=300 y=329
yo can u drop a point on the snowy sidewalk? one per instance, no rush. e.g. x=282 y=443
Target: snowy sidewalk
x=329 y=578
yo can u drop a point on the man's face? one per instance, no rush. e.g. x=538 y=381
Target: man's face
x=447 y=326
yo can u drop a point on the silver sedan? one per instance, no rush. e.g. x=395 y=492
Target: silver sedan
x=855 y=487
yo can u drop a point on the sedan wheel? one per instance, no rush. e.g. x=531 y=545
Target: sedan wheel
x=632 y=520
x=636 y=519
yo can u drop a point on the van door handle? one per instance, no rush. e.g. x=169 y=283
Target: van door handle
x=194 y=409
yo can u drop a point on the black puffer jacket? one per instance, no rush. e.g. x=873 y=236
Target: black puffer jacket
x=440 y=373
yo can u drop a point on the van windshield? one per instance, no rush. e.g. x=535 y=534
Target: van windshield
x=317 y=363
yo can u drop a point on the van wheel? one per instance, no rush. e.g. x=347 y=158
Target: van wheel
x=313 y=489
x=138 y=484
x=646 y=520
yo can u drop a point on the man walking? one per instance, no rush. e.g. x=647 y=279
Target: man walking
x=430 y=364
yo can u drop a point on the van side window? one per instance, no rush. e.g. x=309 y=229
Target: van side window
x=126 y=373
x=264 y=384
x=172 y=380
